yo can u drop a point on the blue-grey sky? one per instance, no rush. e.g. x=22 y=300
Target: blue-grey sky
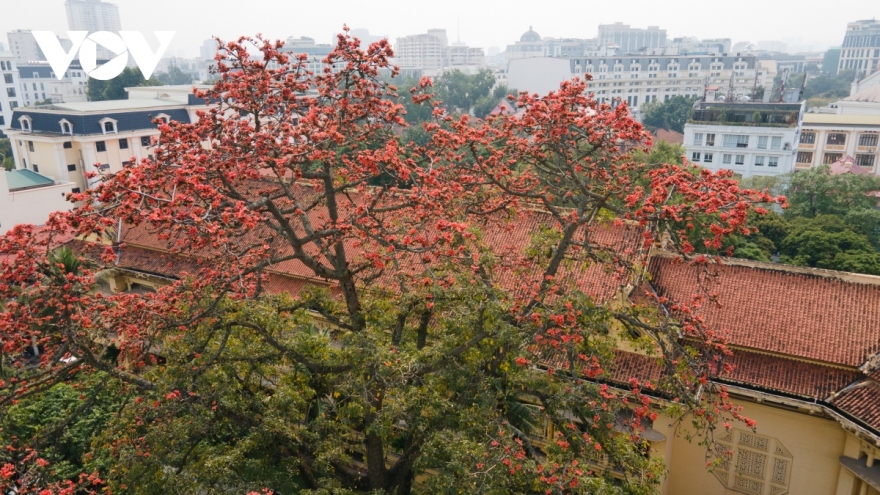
x=483 y=23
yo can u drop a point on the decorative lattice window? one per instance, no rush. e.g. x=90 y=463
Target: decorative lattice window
x=760 y=465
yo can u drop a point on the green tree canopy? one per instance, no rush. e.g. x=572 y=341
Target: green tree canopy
x=174 y=76
x=817 y=192
x=671 y=114
x=114 y=89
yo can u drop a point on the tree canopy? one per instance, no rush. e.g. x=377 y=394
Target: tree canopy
x=174 y=76
x=450 y=312
x=671 y=114
x=114 y=89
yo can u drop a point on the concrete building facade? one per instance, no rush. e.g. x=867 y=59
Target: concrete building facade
x=24 y=46
x=752 y=139
x=66 y=141
x=852 y=130
x=91 y=16
x=39 y=84
x=861 y=47
x=629 y=39
x=9 y=86
x=29 y=197
x=431 y=52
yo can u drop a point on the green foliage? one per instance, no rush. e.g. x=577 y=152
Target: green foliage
x=114 y=89
x=460 y=92
x=662 y=152
x=64 y=421
x=174 y=76
x=6 y=159
x=826 y=86
x=671 y=114
x=817 y=192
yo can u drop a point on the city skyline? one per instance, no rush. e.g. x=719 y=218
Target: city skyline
x=478 y=25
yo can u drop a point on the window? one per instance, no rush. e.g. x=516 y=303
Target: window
x=36 y=168
x=759 y=161
x=865 y=160
x=707 y=158
x=759 y=464
x=868 y=140
x=805 y=157
x=66 y=128
x=727 y=159
x=75 y=190
x=103 y=166
x=775 y=143
x=7 y=78
x=762 y=142
x=146 y=141
x=831 y=158
x=836 y=139
x=695 y=156
x=126 y=164
x=67 y=145
x=740 y=159
x=108 y=125
x=773 y=161
x=710 y=139
x=698 y=139
x=123 y=144
x=101 y=146
x=23 y=163
x=71 y=167
x=736 y=141
x=10 y=92
x=25 y=123
x=808 y=138
x=30 y=146
x=2 y=121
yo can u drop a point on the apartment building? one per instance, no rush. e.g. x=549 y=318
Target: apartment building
x=852 y=130
x=431 y=52
x=9 y=97
x=39 y=84
x=629 y=39
x=748 y=138
x=639 y=79
x=24 y=46
x=861 y=47
x=65 y=141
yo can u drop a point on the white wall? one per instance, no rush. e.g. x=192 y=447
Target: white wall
x=539 y=74
x=786 y=157
x=31 y=205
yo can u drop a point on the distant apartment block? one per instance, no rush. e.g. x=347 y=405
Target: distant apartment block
x=431 y=52
x=639 y=79
x=861 y=47
x=531 y=45
x=752 y=139
x=9 y=84
x=629 y=39
x=92 y=15
x=24 y=46
x=39 y=84
x=853 y=130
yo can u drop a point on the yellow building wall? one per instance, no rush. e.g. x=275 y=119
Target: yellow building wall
x=815 y=444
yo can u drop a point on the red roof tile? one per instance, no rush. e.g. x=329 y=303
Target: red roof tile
x=779 y=374
x=862 y=402
x=796 y=314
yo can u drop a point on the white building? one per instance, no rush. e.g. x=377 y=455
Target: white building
x=9 y=97
x=752 y=139
x=861 y=47
x=852 y=130
x=38 y=84
x=431 y=52
x=29 y=197
x=65 y=141
x=24 y=46
x=538 y=75
x=631 y=40
x=91 y=16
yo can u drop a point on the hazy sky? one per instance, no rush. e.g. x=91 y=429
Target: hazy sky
x=483 y=23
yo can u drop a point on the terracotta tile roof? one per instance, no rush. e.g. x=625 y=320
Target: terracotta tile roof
x=862 y=402
x=506 y=238
x=671 y=137
x=810 y=380
x=801 y=315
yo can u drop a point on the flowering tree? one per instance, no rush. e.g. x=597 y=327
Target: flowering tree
x=464 y=295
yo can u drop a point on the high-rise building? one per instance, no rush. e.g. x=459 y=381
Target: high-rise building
x=92 y=15
x=630 y=40
x=9 y=97
x=861 y=47
x=23 y=46
x=432 y=52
